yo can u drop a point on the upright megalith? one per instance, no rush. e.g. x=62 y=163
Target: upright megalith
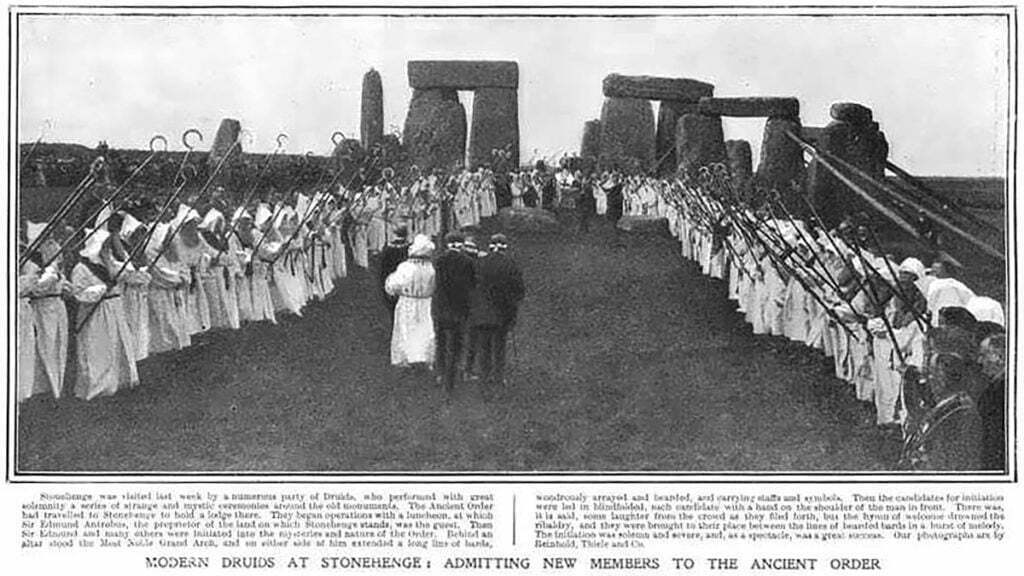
x=590 y=145
x=227 y=147
x=627 y=134
x=495 y=125
x=854 y=136
x=227 y=134
x=741 y=163
x=669 y=112
x=655 y=88
x=782 y=160
x=700 y=142
x=371 y=121
x=435 y=129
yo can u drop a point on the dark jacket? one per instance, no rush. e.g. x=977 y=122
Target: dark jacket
x=390 y=257
x=454 y=281
x=499 y=290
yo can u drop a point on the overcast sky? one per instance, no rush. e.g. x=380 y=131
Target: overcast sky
x=938 y=85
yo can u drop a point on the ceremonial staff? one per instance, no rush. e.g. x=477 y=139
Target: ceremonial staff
x=927 y=194
x=252 y=191
x=188 y=151
x=220 y=165
x=72 y=244
x=63 y=209
x=138 y=248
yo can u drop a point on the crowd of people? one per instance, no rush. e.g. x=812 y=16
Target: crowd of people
x=913 y=342
x=107 y=284
x=115 y=284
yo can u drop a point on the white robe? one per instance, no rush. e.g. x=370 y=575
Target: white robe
x=168 y=329
x=136 y=307
x=412 y=337
x=105 y=350
x=26 y=338
x=50 y=318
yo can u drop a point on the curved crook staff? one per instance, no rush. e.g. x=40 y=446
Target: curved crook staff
x=64 y=208
x=141 y=246
x=72 y=243
x=189 y=148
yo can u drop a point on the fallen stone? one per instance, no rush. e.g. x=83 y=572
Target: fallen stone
x=654 y=225
x=463 y=74
x=699 y=142
x=754 y=107
x=851 y=112
x=656 y=88
x=531 y=220
x=627 y=134
x=495 y=125
x=371 y=113
x=435 y=129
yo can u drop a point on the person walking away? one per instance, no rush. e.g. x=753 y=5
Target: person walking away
x=455 y=278
x=412 y=283
x=500 y=287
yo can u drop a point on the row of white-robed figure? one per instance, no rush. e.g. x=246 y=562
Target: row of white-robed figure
x=180 y=286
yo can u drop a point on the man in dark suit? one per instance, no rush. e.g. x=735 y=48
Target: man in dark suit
x=499 y=290
x=393 y=254
x=454 y=280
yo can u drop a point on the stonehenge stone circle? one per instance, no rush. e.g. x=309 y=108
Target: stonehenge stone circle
x=435 y=126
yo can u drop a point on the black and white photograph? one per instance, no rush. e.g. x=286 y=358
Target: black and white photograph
x=430 y=241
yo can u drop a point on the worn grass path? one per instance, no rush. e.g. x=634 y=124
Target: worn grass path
x=626 y=358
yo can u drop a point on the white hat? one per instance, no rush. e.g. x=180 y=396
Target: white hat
x=94 y=242
x=986 y=309
x=241 y=214
x=421 y=247
x=160 y=231
x=912 y=266
x=129 y=225
x=263 y=214
x=301 y=203
x=33 y=230
x=212 y=219
x=185 y=213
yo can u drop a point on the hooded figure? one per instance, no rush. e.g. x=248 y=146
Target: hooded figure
x=219 y=282
x=136 y=286
x=168 y=293
x=412 y=338
x=49 y=317
x=105 y=348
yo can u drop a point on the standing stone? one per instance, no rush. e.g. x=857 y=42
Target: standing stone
x=741 y=163
x=435 y=129
x=782 y=161
x=232 y=174
x=699 y=142
x=590 y=146
x=495 y=125
x=227 y=133
x=665 y=139
x=371 y=124
x=627 y=134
